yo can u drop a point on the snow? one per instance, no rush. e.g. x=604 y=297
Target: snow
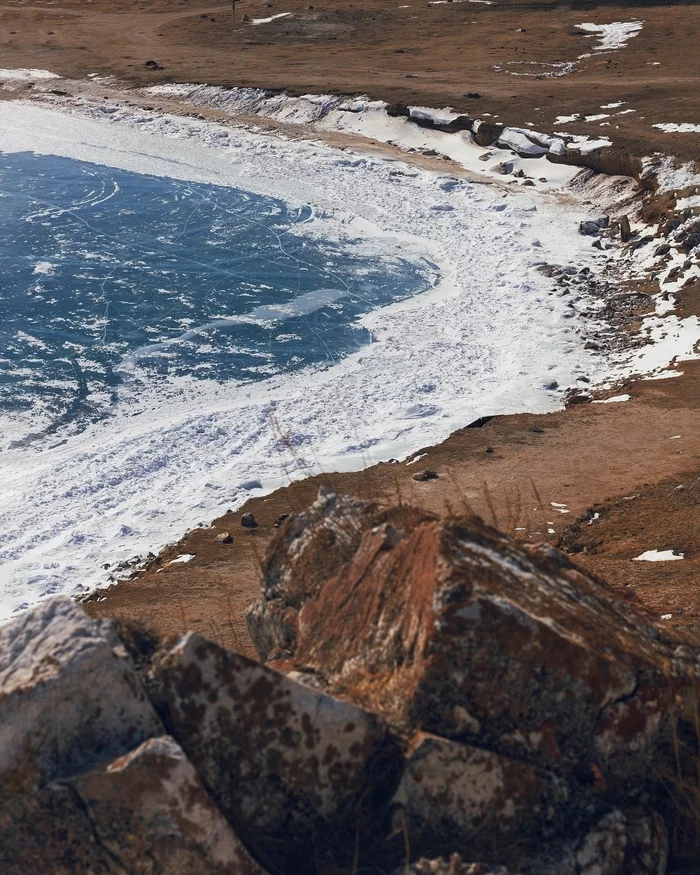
x=612 y=105
x=184 y=557
x=614 y=400
x=25 y=75
x=659 y=556
x=271 y=18
x=682 y=128
x=612 y=36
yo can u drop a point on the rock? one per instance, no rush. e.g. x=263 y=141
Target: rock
x=485 y=134
x=248 y=521
x=561 y=672
x=537 y=429
x=69 y=696
x=323 y=537
x=576 y=395
x=48 y=832
x=528 y=182
x=466 y=799
x=630 y=842
x=150 y=810
x=428 y=474
x=280 y=519
x=224 y=538
x=504 y=168
x=589 y=228
x=489 y=450
x=662 y=249
x=290 y=767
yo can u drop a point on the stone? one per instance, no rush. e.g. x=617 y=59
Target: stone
x=503 y=168
x=248 y=521
x=280 y=519
x=290 y=767
x=428 y=474
x=623 y=842
x=462 y=798
x=69 y=696
x=449 y=628
x=151 y=812
x=224 y=538
x=322 y=538
x=589 y=228
x=47 y=832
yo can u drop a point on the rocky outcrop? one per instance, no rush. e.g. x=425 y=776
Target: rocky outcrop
x=69 y=696
x=451 y=629
x=300 y=766
x=439 y=701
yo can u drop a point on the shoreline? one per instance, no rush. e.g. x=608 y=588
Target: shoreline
x=360 y=146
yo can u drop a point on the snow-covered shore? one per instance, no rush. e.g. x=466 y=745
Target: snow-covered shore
x=491 y=337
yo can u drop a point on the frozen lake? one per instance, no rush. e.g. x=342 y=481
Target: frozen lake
x=111 y=276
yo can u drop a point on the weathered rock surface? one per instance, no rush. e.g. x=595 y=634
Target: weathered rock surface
x=290 y=767
x=311 y=548
x=69 y=696
x=150 y=811
x=449 y=628
x=476 y=802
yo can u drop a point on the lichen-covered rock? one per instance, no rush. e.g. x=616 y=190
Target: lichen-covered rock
x=629 y=842
x=150 y=810
x=145 y=813
x=69 y=696
x=309 y=550
x=48 y=832
x=448 y=627
x=290 y=767
x=457 y=797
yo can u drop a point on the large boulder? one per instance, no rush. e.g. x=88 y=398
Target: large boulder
x=475 y=802
x=69 y=696
x=311 y=548
x=295 y=771
x=448 y=627
x=145 y=813
x=150 y=810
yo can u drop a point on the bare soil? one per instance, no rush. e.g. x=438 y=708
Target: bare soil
x=420 y=53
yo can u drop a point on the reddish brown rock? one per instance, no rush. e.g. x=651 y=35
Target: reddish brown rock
x=310 y=549
x=291 y=768
x=450 y=628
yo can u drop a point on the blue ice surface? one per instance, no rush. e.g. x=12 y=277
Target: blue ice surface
x=102 y=267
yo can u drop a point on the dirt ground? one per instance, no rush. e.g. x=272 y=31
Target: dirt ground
x=477 y=56
x=536 y=477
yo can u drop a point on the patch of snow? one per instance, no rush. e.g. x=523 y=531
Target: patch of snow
x=184 y=557
x=682 y=128
x=658 y=556
x=255 y=21
x=666 y=616
x=612 y=400
x=44 y=268
x=416 y=459
x=26 y=75
x=612 y=36
x=612 y=105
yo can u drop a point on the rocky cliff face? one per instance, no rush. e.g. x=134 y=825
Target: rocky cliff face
x=433 y=700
